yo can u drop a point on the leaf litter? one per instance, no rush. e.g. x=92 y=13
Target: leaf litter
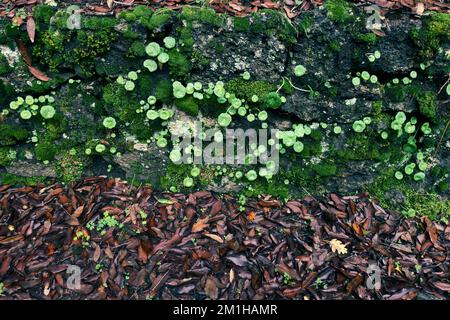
x=200 y=246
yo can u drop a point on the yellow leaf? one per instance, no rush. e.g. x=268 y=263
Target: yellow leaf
x=214 y=237
x=337 y=246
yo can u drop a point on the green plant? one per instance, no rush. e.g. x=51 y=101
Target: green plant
x=109 y=122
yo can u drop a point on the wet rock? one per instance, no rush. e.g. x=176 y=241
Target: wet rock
x=31 y=169
x=146 y=165
x=227 y=54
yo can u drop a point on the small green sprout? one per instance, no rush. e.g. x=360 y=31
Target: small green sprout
x=109 y=122
x=246 y=75
x=251 y=175
x=179 y=91
x=100 y=148
x=419 y=176
x=224 y=119
x=25 y=114
x=365 y=75
x=298 y=146
x=47 y=112
x=398 y=175
x=153 y=49
x=262 y=115
x=169 y=42
x=356 y=81
x=188 y=182
x=151 y=65
x=132 y=75
x=299 y=70
x=163 y=57
x=129 y=85
x=359 y=126
x=195 y=172
x=337 y=129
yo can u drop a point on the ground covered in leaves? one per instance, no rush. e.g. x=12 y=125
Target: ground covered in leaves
x=134 y=243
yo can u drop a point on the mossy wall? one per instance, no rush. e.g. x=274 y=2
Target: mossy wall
x=369 y=113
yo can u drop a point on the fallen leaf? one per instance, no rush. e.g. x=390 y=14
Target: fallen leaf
x=38 y=74
x=214 y=237
x=31 y=28
x=200 y=224
x=338 y=246
x=211 y=289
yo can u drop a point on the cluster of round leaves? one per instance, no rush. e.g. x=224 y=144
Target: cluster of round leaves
x=30 y=107
x=374 y=56
x=194 y=89
x=365 y=76
x=409 y=168
x=128 y=81
x=155 y=51
x=405 y=80
x=360 y=125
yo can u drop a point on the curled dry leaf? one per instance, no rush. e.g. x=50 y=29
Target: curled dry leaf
x=31 y=28
x=200 y=224
x=338 y=246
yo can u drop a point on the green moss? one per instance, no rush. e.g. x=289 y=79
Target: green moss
x=274 y=187
x=59 y=47
x=377 y=106
x=42 y=13
x=427 y=103
x=434 y=33
x=246 y=89
x=138 y=49
x=274 y=23
x=11 y=134
x=203 y=15
x=199 y=59
x=163 y=91
x=305 y=24
x=45 y=150
x=175 y=175
x=7 y=156
x=157 y=19
x=15 y=180
x=241 y=24
x=4 y=66
x=362 y=147
x=70 y=167
x=335 y=46
x=340 y=11
x=188 y=105
x=185 y=38
x=99 y=23
x=428 y=204
x=369 y=38
x=179 y=65
x=135 y=14
x=324 y=169
x=311 y=148
x=146 y=84
x=124 y=106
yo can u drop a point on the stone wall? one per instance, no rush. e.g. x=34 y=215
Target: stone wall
x=372 y=108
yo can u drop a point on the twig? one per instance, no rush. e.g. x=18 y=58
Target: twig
x=442 y=138
x=296 y=88
x=443 y=85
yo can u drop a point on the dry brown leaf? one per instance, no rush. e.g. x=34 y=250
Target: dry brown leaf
x=214 y=237
x=31 y=28
x=337 y=246
x=38 y=74
x=200 y=224
x=211 y=289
